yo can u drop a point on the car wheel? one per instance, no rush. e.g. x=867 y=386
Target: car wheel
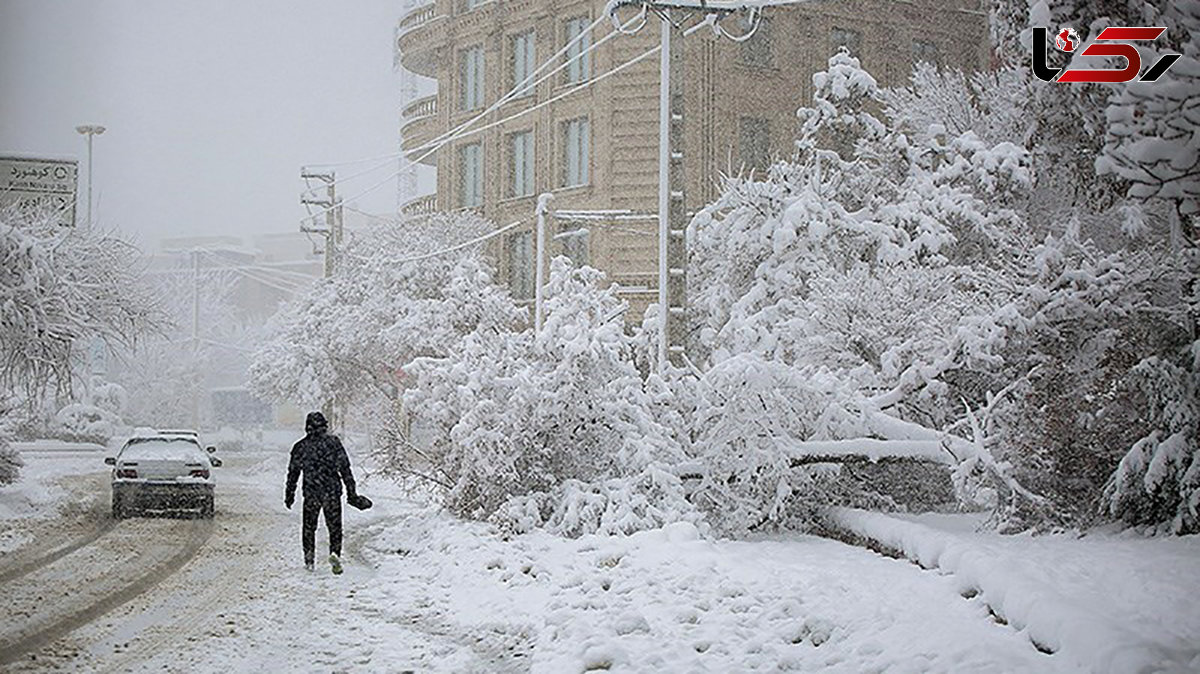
x=207 y=509
x=118 y=507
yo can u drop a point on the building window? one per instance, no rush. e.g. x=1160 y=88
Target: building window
x=520 y=265
x=472 y=4
x=925 y=52
x=755 y=142
x=756 y=51
x=470 y=72
x=845 y=37
x=523 y=61
x=573 y=239
x=520 y=147
x=576 y=146
x=578 y=57
x=470 y=175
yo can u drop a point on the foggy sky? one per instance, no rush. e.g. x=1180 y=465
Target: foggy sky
x=210 y=107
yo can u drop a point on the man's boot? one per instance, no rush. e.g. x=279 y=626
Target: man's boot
x=336 y=563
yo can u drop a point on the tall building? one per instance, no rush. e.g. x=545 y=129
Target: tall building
x=596 y=149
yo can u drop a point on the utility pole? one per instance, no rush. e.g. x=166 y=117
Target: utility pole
x=196 y=334
x=333 y=236
x=672 y=249
x=89 y=130
x=672 y=216
x=544 y=204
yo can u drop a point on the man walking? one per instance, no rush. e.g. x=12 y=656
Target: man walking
x=321 y=458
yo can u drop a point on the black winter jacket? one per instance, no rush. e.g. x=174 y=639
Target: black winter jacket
x=323 y=461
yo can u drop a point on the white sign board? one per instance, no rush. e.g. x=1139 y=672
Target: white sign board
x=38 y=183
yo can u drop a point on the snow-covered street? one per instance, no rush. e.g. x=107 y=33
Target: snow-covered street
x=425 y=592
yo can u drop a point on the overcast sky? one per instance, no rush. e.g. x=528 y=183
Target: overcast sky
x=211 y=107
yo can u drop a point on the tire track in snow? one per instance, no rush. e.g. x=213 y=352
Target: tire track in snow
x=34 y=637
x=96 y=519
x=218 y=580
x=24 y=568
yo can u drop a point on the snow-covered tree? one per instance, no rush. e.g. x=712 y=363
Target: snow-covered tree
x=352 y=337
x=884 y=261
x=61 y=289
x=550 y=429
x=892 y=260
x=356 y=331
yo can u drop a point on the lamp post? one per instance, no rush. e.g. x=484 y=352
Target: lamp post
x=89 y=130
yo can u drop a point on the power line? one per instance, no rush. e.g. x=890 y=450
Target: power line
x=522 y=113
x=264 y=269
x=460 y=131
x=520 y=86
x=457 y=247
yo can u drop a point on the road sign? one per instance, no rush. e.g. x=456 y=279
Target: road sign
x=40 y=182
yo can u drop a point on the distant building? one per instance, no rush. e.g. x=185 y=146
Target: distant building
x=597 y=150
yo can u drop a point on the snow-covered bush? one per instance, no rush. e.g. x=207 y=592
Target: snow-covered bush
x=750 y=411
x=552 y=429
x=80 y=422
x=10 y=417
x=10 y=464
x=96 y=418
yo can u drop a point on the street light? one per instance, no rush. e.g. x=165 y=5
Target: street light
x=90 y=130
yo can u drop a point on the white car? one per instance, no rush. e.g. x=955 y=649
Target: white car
x=162 y=472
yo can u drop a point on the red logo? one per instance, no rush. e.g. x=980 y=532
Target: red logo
x=1110 y=42
x=1066 y=40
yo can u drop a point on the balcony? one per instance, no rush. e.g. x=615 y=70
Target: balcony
x=418 y=128
x=420 y=206
x=422 y=107
x=420 y=35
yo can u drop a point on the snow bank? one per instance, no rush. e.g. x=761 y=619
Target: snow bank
x=1072 y=616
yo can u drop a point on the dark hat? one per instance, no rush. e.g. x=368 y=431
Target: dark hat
x=315 y=422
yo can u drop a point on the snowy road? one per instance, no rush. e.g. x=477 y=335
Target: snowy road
x=86 y=593
x=424 y=592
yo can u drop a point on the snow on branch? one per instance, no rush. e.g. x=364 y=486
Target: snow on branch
x=60 y=288
x=863 y=450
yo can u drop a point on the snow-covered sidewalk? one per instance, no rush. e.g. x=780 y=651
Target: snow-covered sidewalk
x=1106 y=603
x=667 y=601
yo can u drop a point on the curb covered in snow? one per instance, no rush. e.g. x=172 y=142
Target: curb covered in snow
x=1054 y=622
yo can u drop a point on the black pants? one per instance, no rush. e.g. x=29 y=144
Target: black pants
x=313 y=505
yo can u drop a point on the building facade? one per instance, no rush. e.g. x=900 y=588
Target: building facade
x=596 y=149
